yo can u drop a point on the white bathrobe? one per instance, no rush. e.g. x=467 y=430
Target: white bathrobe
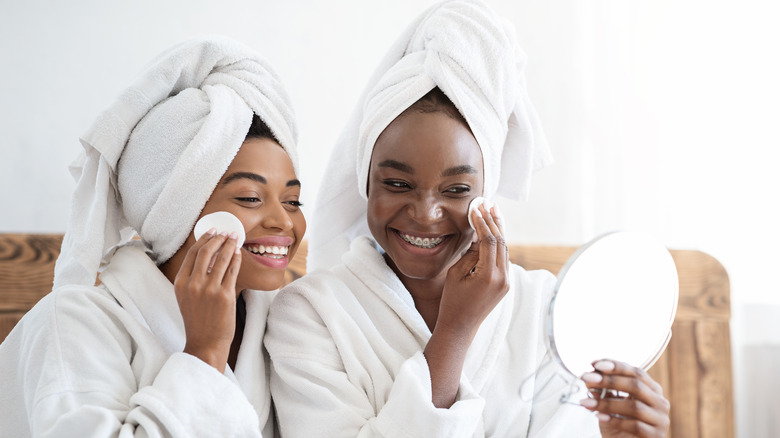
x=107 y=361
x=346 y=349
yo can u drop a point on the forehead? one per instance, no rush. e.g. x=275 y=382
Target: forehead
x=429 y=141
x=264 y=157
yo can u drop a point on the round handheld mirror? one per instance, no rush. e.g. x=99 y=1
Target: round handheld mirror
x=616 y=298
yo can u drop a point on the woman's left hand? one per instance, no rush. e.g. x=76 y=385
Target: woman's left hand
x=643 y=412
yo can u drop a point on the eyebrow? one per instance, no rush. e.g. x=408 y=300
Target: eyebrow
x=452 y=171
x=255 y=177
x=397 y=165
x=459 y=170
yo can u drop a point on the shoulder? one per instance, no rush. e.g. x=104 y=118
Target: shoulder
x=539 y=279
x=533 y=290
x=322 y=287
x=69 y=304
x=71 y=323
x=302 y=316
x=64 y=337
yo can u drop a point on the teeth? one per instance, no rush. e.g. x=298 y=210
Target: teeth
x=274 y=252
x=422 y=242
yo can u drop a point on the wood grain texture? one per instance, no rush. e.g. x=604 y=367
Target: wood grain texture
x=695 y=371
x=26 y=269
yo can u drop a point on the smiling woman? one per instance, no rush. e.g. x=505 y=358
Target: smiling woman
x=420 y=325
x=170 y=341
x=260 y=188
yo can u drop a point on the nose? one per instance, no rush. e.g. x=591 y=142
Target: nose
x=275 y=216
x=425 y=209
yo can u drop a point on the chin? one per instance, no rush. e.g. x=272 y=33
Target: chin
x=268 y=281
x=420 y=272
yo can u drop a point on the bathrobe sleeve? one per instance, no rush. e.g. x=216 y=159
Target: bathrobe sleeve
x=80 y=373
x=331 y=388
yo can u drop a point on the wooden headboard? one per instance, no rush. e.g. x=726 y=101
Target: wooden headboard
x=695 y=370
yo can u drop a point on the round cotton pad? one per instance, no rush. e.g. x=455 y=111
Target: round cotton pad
x=222 y=221
x=475 y=203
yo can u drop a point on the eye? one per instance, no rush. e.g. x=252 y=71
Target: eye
x=293 y=205
x=396 y=185
x=248 y=200
x=458 y=189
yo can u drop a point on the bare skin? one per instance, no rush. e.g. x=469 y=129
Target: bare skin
x=643 y=413
x=261 y=189
x=425 y=169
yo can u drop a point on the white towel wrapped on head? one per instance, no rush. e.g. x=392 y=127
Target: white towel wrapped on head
x=470 y=53
x=153 y=158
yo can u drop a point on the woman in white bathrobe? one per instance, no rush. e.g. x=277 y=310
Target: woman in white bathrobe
x=170 y=341
x=410 y=329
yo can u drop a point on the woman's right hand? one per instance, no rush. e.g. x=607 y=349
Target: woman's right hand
x=205 y=289
x=475 y=284
x=479 y=280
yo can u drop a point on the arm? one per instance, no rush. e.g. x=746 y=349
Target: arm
x=91 y=369
x=86 y=368
x=205 y=287
x=474 y=286
x=331 y=375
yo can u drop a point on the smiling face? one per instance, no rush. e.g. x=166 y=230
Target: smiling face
x=425 y=169
x=260 y=188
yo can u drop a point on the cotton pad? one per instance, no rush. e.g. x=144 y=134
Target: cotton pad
x=475 y=203
x=222 y=221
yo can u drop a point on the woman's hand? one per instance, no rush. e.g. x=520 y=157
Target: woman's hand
x=473 y=287
x=479 y=280
x=205 y=289
x=644 y=412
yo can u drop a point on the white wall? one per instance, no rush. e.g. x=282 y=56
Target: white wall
x=662 y=116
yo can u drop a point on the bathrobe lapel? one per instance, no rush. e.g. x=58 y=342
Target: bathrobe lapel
x=151 y=300
x=366 y=262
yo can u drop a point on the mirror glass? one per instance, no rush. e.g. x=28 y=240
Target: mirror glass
x=615 y=298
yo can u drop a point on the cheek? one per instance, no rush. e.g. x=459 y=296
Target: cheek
x=379 y=212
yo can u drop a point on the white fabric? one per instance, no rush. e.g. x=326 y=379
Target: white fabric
x=107 y=361
x=183 y=120
x=470 y=53
x=346 y=349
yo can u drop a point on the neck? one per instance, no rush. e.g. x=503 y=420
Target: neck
x=426 y=293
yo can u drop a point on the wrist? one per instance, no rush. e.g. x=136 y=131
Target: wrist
x=211 y=356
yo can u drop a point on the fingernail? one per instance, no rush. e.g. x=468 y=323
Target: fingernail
x=589 y=403
x=592 y=377
x=604 y=366
x=211 y=232
x=233 y=236
x=603 y=417
x=223 y=233
x=238 y=250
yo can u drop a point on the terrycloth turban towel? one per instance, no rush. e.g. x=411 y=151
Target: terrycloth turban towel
x=153 y=158
x=470 y=53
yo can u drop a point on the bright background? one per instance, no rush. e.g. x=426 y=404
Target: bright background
x=663 y=117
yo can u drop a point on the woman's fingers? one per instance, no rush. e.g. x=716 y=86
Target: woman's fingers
x=465 y=266
x=232 y=270
x=502 y=255
x=205 y=260
x=643 y=412
x=620 y=376
x=626 y=408
x=487 y=242
x=192 y=254
x=222 y=259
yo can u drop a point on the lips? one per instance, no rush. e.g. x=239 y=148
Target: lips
x=270 y=251
x=421 y=242
x=417 y=242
